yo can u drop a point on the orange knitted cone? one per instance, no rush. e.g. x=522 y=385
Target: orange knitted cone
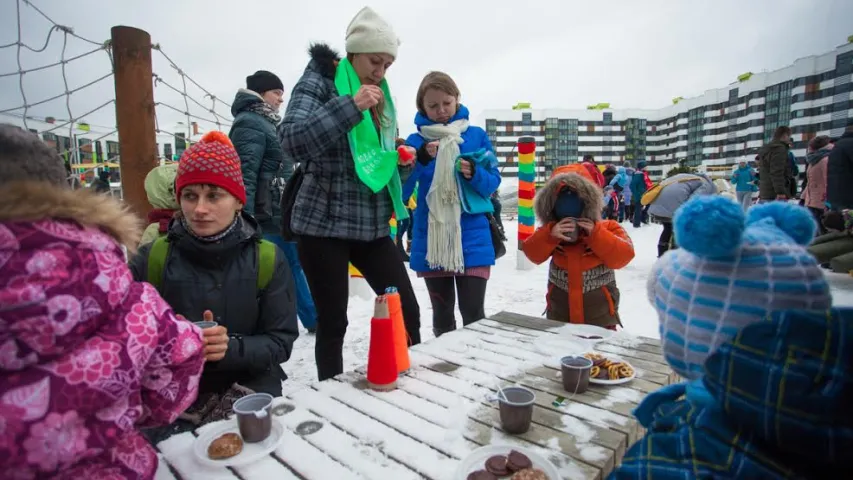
x=381 y=361
x=401 y=341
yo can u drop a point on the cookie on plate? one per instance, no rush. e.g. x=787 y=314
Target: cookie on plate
x=516 y=461
x=497 y=466
x=530 y=474
x=226 y=446
x=481 y=475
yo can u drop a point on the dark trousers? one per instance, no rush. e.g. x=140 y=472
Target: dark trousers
x=326 y=264
x=818 y=216
x=629 y=212
x=638 y=214
x=472 y=298
x=666 y=242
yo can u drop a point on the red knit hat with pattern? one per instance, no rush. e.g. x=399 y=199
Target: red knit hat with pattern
x=212 y=161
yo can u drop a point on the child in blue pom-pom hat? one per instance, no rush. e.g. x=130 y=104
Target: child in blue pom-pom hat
x=745 y=318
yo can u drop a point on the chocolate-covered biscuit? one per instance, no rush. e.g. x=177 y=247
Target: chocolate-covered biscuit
x=516 y=461
x=481 y=475
x=497 y=465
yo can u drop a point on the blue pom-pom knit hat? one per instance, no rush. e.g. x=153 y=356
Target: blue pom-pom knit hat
x=731 y=270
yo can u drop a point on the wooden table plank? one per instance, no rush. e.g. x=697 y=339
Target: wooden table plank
x=518 y=323
x=480 y=424
x=445 y=440
x=404 y=449
x=499 y=337
x=547 y=425
x=367 y=460
x=437 y=382
x=532 y=323
x=550 y=384
x=528 y=352
x=163 y=472
x=546 y=392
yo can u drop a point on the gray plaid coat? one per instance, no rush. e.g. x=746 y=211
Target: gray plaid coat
x=332 y=201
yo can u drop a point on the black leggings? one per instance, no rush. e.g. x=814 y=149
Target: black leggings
x=472 y=298
x=326 y=264
x=666 y=241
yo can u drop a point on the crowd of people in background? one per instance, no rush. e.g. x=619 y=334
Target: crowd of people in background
x=254 y=229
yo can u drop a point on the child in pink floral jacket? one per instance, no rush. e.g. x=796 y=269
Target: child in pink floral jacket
x=87 y=355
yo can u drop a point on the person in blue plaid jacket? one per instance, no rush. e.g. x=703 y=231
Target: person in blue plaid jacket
x=336 y=217
x=746 y=319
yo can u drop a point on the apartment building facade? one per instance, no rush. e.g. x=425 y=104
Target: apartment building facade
x=711 y=132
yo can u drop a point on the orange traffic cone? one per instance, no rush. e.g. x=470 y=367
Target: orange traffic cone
x=401 y=337
x=381 y=361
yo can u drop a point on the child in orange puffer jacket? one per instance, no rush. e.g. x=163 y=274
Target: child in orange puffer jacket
x=584 y=250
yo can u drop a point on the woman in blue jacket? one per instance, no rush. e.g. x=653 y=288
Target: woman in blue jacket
x=744 y=180
x=451 y=244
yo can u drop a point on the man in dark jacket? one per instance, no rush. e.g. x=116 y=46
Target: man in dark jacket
x=266 y=170
x=102 y=183
x=638 y=188
x=839 y=193
x=774 y=167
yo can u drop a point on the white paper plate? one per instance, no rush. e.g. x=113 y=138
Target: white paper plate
x=615 y=358
x=476 y=460
x=582 y=330
x=252 y=452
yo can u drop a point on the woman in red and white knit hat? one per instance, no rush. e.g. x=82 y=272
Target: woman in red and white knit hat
x=214 y=265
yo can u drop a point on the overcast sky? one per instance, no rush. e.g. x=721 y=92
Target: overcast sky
x=552 y=53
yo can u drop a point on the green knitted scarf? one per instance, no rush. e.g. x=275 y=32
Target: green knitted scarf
x=375 y=155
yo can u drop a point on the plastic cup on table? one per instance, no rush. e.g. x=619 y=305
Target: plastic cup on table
x=253 y=417
x=516 y=409
x=575 y=373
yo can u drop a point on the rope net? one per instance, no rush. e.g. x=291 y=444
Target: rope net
x=62 y=88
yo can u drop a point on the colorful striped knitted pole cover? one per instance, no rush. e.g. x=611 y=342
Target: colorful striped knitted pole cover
x=526 y=192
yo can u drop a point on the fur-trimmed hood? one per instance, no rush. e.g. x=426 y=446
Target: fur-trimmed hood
x=35 y=201
x=324 y=59
x=591 y=195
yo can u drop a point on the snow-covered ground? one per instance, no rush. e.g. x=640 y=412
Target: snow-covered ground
x=517 y=291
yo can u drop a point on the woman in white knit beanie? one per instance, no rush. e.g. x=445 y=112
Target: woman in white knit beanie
x=351 y=183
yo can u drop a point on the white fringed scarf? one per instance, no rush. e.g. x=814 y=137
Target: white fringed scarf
x=444 y=234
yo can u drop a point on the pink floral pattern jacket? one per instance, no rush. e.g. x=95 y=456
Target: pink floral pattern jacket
x=87 y=355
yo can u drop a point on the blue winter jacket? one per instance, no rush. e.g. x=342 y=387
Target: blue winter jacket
x=743 y=178
x=638 y=186
x=626 y=193
x=477 y=245
x=773 y=403
x=620 y=179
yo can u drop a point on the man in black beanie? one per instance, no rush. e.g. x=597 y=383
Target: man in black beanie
x=263 y=81
x=266 y=170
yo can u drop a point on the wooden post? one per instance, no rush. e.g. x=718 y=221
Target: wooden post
x=135 y=113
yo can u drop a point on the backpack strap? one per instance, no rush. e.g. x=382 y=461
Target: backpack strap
x=266 y=263
x=156 y=261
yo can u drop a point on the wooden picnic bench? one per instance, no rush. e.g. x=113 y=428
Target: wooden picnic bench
x=443 y=408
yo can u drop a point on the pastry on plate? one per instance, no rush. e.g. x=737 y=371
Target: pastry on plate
x=530 y=474
x=226 y=446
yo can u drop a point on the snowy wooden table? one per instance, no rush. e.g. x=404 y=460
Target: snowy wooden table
x=443 y=409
